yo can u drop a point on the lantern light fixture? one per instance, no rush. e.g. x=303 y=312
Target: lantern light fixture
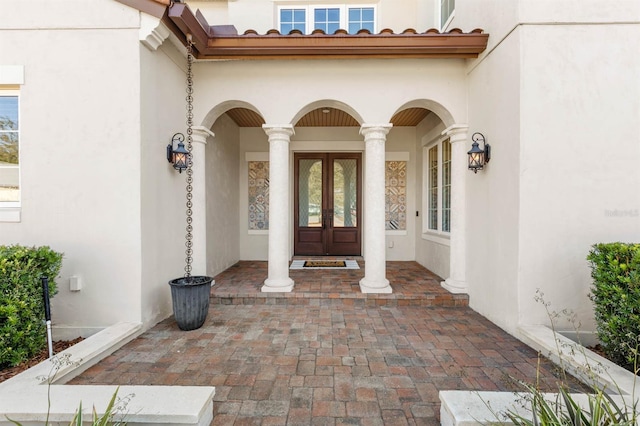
x=478 y=157
x=177 y=155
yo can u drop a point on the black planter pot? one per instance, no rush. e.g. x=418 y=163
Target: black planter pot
x=190 y=298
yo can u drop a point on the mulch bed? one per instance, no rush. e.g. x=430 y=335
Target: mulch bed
x=58 y=346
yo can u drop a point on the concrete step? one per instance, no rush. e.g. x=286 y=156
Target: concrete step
x=334 y=299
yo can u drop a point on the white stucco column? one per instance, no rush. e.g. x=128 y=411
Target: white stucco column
x=457 y=282
x=199 y=200
x=278 y=276
x=374 y=281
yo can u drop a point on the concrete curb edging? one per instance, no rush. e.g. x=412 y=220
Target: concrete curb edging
x=467 y=408
x=24 y=397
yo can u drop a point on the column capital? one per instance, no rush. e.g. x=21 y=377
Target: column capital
x=279 y=131
x=200 y=134
x=375 y=131
x=456 y=132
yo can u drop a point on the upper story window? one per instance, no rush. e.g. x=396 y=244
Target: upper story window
x=327 y=18
x=446 y=12
x=9 y=149
x=293 y=19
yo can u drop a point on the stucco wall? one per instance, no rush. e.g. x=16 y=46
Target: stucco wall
x=80 y=152
x=493 y=203
x=580 y=114
x=163 y=199
x=567 y=73
x=223 y=198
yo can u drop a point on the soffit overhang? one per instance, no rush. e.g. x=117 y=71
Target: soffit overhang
x=221 y=42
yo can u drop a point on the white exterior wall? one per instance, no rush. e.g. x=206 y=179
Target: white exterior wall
x=285 y=90
x=163 y=196
x=579 y=159
x=556 y=94
x=223 y=198
x=79 y=113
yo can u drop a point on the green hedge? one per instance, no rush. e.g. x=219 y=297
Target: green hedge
x=615 y=269
x=22 y=328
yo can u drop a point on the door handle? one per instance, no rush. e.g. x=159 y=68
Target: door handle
x=324 y=218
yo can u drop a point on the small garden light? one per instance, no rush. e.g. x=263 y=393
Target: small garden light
x=177 y=156
x=478 y=156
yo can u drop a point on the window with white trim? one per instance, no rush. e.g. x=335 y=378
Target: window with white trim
x=446 y=12
x=438 y=186
x=327 y=18
x=9 y=149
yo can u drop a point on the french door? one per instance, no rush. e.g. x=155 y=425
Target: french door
x=327 y=204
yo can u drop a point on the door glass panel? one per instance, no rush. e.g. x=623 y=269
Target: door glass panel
x=345 y=193
x=310 y=193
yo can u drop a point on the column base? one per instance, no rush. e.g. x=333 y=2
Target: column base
x=368 y=286
x=282 y=285
x=453 y=286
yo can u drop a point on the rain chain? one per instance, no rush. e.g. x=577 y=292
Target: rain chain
x=189 y=236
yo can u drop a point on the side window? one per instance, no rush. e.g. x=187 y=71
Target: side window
x=9 y=149
x=437 y=167
x=446 y=12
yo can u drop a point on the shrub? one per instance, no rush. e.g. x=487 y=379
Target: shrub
x=615 y=269
x=22 y=329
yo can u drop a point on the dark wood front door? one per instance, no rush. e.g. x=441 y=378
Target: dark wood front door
x=327 y=204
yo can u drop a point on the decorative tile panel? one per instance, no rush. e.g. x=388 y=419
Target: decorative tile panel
x=396 y=195
x=258 y=195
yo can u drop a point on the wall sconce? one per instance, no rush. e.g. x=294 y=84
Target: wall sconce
x=177 y=156
x=478 y=157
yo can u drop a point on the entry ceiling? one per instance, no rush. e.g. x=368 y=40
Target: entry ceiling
x=327 y=117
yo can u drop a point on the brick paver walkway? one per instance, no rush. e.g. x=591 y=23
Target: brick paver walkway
x=301 y=364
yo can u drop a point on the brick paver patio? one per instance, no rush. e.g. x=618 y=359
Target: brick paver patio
x=327 y=360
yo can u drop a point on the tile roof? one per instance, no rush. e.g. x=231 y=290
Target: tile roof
x=223 y=42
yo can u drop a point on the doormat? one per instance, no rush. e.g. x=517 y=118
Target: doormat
x=324 y=264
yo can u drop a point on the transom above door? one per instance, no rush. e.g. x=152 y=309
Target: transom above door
x=327 y=204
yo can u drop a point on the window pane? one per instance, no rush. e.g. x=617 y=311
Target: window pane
x=360 y=18
x=8 y=113
x=327 y=20
x=285 y=28
x=446 y=186
x=258 y=195
x=9 y=150
x=433 y=188
x=292 y=19
x=446 y=9
x=286 y=15
x=299 y=16
x=345 y=192
x=310 y=193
